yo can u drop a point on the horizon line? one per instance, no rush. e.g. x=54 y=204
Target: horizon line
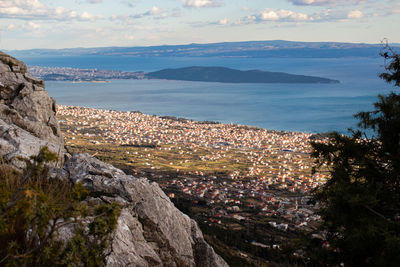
x=211 y=43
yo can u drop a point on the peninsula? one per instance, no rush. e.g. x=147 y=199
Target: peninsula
x=227 y=75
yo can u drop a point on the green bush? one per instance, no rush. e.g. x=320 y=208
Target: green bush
x=35 y=207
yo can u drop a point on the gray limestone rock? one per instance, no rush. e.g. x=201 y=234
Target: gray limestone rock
x=25 y=103
x=151 y=231
x=16 y=143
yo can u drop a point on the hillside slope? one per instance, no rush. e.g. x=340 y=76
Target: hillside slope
x=151 y=231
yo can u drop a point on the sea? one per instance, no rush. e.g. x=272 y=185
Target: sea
x=312 y=108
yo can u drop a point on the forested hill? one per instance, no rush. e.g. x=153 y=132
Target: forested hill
x=227 y=75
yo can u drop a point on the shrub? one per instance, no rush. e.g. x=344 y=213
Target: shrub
x=34 y=208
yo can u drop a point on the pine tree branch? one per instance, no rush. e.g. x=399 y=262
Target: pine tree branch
x=377 y=213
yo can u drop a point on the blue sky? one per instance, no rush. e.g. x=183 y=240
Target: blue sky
x=26 y=24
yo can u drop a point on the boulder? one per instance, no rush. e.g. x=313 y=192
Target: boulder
x=16 y=143
x=151 y=231
x=25 y=103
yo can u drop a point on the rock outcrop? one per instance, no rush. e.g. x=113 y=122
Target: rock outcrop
x=17 y=143
x=151 y=231
x=25 y=103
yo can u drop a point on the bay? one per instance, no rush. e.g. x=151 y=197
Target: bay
x=291 y=107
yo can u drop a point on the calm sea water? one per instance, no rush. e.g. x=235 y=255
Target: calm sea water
x=292 y=107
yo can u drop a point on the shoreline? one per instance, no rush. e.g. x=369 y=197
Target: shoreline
x=90 y=81
x=175 y=118
x=203 y=141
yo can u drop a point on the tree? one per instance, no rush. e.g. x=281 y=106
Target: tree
x=360 y=203
x=35 y=207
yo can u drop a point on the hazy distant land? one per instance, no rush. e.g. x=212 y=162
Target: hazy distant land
x=227 y=75
x=250 y=49
x=203 y=74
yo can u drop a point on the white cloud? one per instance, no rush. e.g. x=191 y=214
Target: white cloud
x=32 y=26
x=355 y=14
x=87 y=16
x=283 y=15
x=275 y=15
x=12 y=8
x=223 y=21
x=34 y=9
x=16 y=4
x=130 y=37
x=155 y=12
x=339 y=15
x=11 y=27
x=325 y=2
x=201 y=3
x=94 y=1
x=62 y=13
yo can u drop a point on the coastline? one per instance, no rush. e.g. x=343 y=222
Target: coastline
x=94 y=81
x=135 y=129
x=184 y=119
x=309 y=108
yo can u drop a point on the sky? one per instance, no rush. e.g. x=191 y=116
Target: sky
x=29 y=24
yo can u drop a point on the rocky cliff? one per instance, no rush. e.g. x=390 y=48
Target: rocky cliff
x=27 y=114
x=150 y=230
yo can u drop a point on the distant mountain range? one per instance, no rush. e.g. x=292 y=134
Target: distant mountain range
x=251 y=49
x=227 y=75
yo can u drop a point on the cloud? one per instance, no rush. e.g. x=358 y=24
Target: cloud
x=391 y=8
x=339 y=15
x=283 y=15
x=79 y=2
x=363 y=8
x=275 y=15
x=325 y=2
x=11 y=27
x=130 y=37
x=201 y=3
x=94 y=1
x=62 y=13
x=32 y=26
x=10 y=8
x=13 y=5
x=130 y=3
x=34 y=9
x=155 y=12
x=223 y=21
x=355 y=14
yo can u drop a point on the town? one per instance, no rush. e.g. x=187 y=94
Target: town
x=235 y=175
x=74 y=74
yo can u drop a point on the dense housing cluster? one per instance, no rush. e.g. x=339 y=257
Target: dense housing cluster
x=74 y=74
x=232 y=167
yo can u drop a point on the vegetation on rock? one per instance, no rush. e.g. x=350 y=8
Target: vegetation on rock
x=35 y=209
